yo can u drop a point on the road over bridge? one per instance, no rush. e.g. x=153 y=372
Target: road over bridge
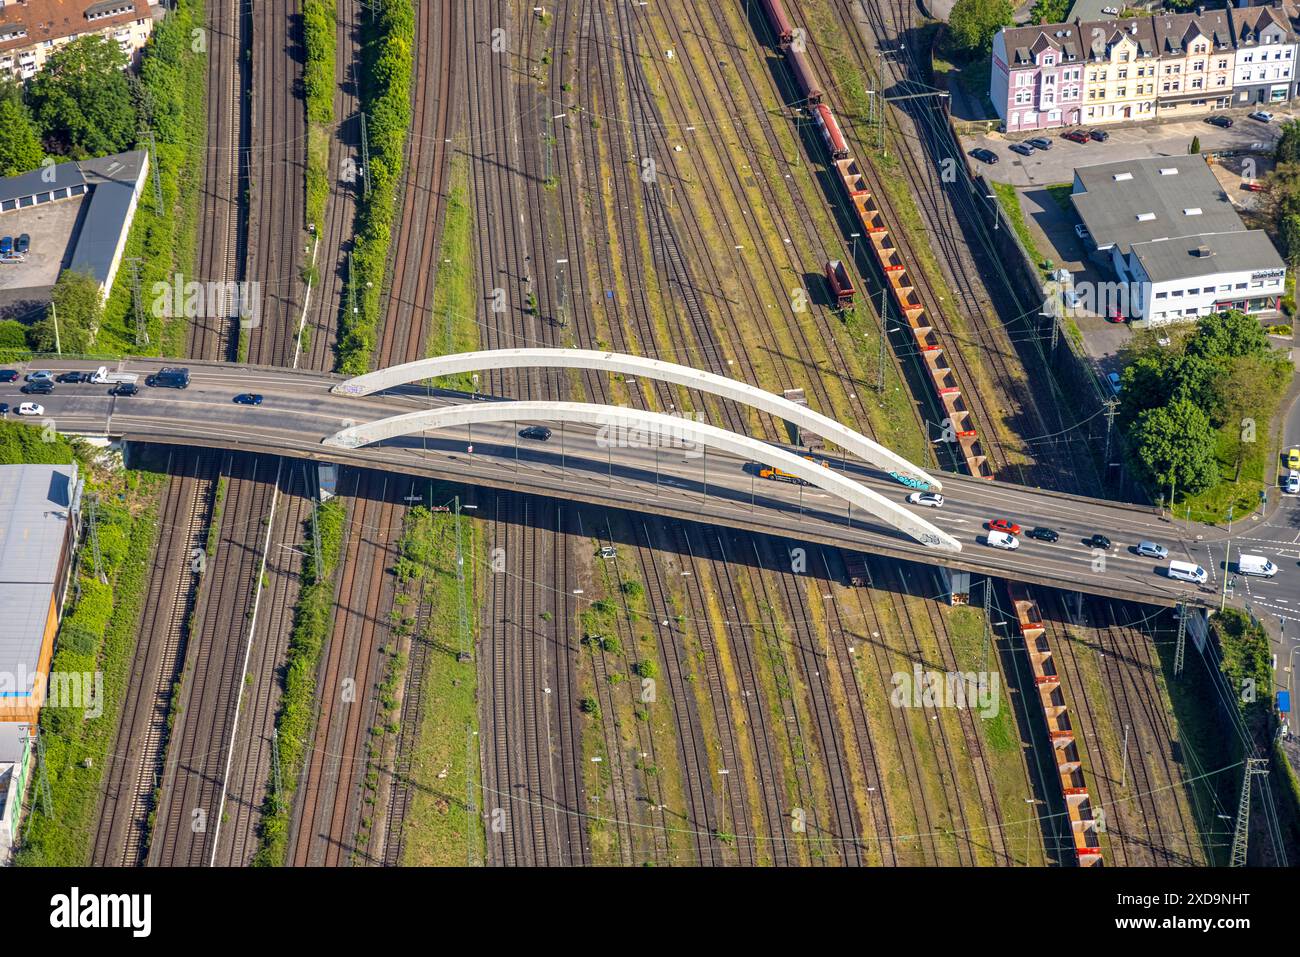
x=300 y=412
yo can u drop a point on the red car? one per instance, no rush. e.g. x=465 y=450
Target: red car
x=1003 y=525
x=1116 y=316
x=1075 y=136
x=1254 y=186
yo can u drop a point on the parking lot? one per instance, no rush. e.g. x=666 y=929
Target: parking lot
x=1056 y=165
x=51 y=228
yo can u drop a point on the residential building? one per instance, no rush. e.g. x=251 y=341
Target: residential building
x=1168 y=231
x=1120 y=70
x=32 y=29
x=1266 y=44
x=1196 y=60
x=1038 y=75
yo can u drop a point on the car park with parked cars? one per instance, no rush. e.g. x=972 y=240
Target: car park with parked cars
x=1100 y=136
x=1075 y=136
x=1223 y=122
x=1022 y=149
x=1039 y=142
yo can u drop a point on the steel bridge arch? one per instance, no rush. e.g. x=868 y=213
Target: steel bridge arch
x=677 y=429
x=536 y=358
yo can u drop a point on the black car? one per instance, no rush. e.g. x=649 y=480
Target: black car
x=539 y=432
x=1220 y=121
x=985 y=156
x=125 y=388
x=1100 y=136
x=8 y=375
x=39 y=387
x=1022 y=149
x=4 y=408
x=22 y=243
x=248 y=398
x=1044 y=534
x=1040 y=143
x=1099 y=541
x=73 y=377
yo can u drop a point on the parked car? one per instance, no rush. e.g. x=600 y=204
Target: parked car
x=1004 y=525
x=249 y=398
x=39 y=387
x=31 y=408
x=1116 y=316
x=4 y=408
x=1075 y=136
x=1293 y=483
x=1220 y=121
x=39 y=376
x=929 y=499
x=6 y=245
x=1152 y=550
x=1115 y=384
x=125 y=389
x=8 y=375
x=1039 y=142
x=73 y=377
x=1081 y=231
x=1263 y=116
x=1003 y=540
x=22 y=243
x=1255 y=186
x=985 y=156
x=538 y=432
x=1022 y=149
x=1100 y=136
x=1098 y=540
x=1293 y=459
x=1044 y=534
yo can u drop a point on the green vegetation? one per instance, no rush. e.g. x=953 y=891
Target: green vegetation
x=313 y=617
x=1247 y=665
x=97 y=635
x=320 y=31
x=1049 y=11
x=81 y=99
x=972 y=24
x=20 y=143
x=437 y=822
x=386 y=97
x=75 y=317
x=454 y=327
x=1009 y=199
x=1197 y=413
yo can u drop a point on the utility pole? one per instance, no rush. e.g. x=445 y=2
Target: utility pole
x=460 y=587
x=561 y=267
x=147 y=133
x=277 y=783
x=1123 y=776
x=1227 y=556
x=141 y=323
x=988 y=605
x=93 y=501
x=365 y=156
x=1241 y=833
x=1111 y=403
x=315 y=540
x=471 y=815
x=47 y=800
x=1181 y=612
x=54 y=311
x=880 y=359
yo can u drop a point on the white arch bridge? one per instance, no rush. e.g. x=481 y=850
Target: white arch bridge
x=624 y=419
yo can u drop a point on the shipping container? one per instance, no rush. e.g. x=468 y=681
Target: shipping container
x=837 y=277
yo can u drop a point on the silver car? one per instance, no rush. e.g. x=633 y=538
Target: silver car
x=1152 y=550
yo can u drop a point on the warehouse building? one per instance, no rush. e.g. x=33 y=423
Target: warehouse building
x=1167 y=230
x=39 y=525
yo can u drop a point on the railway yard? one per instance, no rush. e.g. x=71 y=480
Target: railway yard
x=353 y=667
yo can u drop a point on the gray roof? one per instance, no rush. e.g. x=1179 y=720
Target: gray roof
x=35 y=506
x=1207 y=254
x=1110 y=207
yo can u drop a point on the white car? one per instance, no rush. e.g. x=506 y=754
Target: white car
x=1003 y=540
x=1081 y=231
x=1264 y=116
x=1293 y=483
x=930 y=499
x=31 y=408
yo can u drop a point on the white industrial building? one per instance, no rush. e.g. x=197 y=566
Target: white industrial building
x=1168 y=231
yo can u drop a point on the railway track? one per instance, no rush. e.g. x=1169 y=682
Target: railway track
x=122 y=834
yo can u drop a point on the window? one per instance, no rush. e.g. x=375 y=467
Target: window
x=1162 y=295
x=1241 y=285
x=1145 y=217
x=1121 y=177
x=1169 y=171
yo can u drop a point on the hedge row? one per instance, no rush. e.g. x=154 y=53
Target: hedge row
x=386 y=97
x=312 y=621
x=320 y=32
x=97 y=635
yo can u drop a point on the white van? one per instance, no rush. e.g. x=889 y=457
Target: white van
x=1187 y=572
x=1255 y=565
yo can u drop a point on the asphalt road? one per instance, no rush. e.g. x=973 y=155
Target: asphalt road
x=299 y=411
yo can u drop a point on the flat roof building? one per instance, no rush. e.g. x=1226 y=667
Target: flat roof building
x=1168 y=230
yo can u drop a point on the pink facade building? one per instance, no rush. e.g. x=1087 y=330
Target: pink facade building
x=1037 y=76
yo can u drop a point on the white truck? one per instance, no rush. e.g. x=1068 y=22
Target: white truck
x=102 y=375
x=1255 y=565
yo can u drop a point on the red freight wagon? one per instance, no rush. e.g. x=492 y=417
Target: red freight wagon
x=835 y=141
x=841 y=286
x=804 y=77
x=780 y=22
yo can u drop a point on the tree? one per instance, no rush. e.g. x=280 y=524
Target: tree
x=1288 y=144
x=80 y=307
x=13 y=335
x=1244 y=386
x=82 y=101
x=1175 y=445
x=973 y=23
x=1196 y=145
x=1288 y=231
x=1228 y=335
x=20 y=147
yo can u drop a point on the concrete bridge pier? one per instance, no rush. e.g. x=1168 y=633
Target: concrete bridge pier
x=956 y=585
x=1074 y=607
